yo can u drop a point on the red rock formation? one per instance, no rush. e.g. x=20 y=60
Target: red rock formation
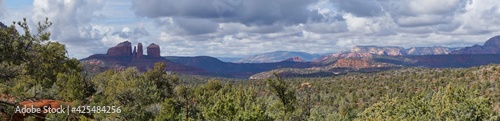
x=122 y=49
x=139 y=50
x=134 y=52
x=428 y=51
x=153 y=50
x=387 y=50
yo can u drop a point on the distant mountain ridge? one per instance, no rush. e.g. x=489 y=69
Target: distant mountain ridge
x=370 y=51
x=277 y=56
x=491 y=46
x=362 y=59
x=229 y=59
x=400 y=51
x=228 y=69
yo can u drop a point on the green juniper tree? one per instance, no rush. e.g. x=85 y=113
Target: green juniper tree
x=284 y=92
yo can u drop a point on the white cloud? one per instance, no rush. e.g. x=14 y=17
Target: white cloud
x=435 y=6
x=2 y=9
x=68 y=16
x=375 y=25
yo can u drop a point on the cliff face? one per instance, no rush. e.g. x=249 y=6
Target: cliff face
x=122 y=49
x=428 y=51
x=399 y=51
x=125 y=49
x=139 y=51
x=153 y=50
x=492 y=46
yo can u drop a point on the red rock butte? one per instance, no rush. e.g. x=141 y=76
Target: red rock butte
x=125 y=49
x=153 y=50
x=122 y=49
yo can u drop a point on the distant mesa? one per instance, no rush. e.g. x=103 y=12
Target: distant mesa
x=388 y=50
x=122 y=49
x=125 y=49
x=492 y=46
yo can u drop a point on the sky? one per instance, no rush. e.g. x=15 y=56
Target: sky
x=235 y=28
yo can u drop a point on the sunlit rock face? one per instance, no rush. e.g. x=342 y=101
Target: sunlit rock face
x=388 y=50
x=428 y=51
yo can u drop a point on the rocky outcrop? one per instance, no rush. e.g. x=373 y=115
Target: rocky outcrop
x=352 y=55
x=492 y=46
x=139 y=51
x=125 y=49
x=387 y=50
x=370 y=51
x=428 y=51
x=122 y=49
x=294 y=59
x=153 y=50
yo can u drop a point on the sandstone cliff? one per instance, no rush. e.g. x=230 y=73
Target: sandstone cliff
x=122 y=49
x=387 y=50
x=428 y=51
x=153 y=50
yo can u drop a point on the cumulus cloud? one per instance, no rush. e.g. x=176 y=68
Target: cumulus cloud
x=133 y=34
x=341 y=24
x=248 y=12
x=196 y=26
x=68 y=16
x=2 y=9
x=361 y=8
